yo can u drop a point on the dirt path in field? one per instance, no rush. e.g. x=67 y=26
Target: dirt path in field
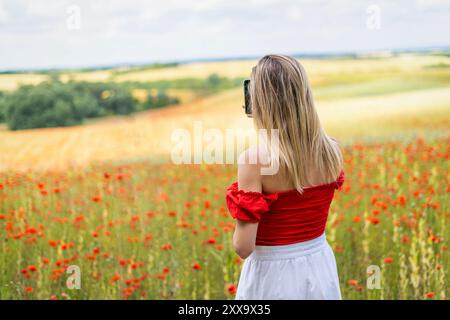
x=148 y=134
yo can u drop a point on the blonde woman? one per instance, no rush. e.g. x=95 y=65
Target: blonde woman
x=281 y=218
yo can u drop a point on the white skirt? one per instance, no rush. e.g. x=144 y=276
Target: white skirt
x=300 y=271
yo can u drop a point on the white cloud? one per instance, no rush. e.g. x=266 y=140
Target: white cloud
x=3 y=14
x=45 y=9
x=34 y=33
x=294 y=13
x=426 y=4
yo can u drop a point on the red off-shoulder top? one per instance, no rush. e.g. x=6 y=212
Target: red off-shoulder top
x=284 y=217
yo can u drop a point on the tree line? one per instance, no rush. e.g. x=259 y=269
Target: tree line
x=57 y=104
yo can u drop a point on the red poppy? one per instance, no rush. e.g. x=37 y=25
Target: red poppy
x=402 y=200
x=123 y=262
x=353 y=282
x=232 y=289
x=388 y=260
x=28 y=289
x=172 y=213
x=32 y=268
x=374 y=220
x=196 y=266
x=429 y=295
x=115 y=277
x=53 y=243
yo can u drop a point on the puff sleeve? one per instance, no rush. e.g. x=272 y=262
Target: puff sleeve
x=340 y=180
x=247 y=205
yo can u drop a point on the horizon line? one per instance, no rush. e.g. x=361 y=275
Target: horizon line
x=313 y=55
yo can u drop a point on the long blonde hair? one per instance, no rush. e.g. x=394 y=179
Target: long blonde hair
x=281 y=99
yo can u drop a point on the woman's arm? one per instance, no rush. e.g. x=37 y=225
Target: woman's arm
x=249 y=179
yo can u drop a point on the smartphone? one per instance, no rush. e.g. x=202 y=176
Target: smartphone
x=247 y=101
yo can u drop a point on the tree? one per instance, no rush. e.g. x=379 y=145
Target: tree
x=57 y=104
x=213 y=80
x=2 y=106
x=41 y=106
x=119 y=101
x=160 y=100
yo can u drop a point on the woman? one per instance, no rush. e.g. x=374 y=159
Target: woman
x=280 y=218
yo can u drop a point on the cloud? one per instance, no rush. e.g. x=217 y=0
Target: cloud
x=35 y=34
x=427 y=4
x=3 y=15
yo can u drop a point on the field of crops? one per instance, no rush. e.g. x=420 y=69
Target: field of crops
x=162 y=231
x=104 y=196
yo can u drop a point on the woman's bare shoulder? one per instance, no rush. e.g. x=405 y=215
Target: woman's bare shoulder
x=250 y=162
x=254 y=156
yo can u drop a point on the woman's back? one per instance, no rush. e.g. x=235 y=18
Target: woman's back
x=280 y=183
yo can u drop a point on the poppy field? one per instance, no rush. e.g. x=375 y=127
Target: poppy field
x=99 y=210
x=136 y=233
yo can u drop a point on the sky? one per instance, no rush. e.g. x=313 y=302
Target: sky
x=39 y=34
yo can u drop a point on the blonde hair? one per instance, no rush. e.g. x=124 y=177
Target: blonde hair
x=281 y=99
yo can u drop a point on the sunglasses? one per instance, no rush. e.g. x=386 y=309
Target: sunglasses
x=247 y=101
